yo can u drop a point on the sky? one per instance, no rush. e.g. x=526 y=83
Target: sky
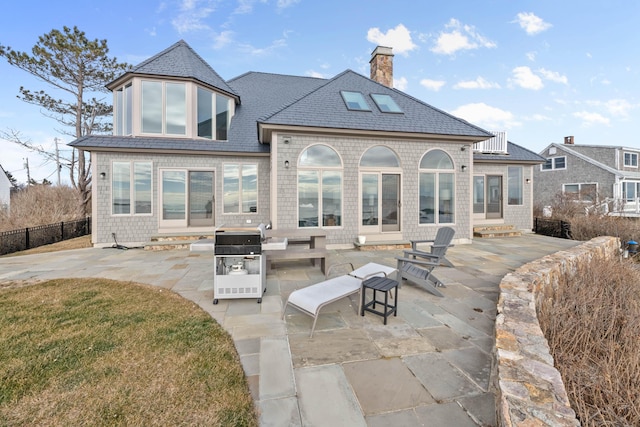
x=539 y=70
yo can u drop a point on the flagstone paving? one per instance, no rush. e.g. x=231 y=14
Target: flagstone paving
x=430 y=365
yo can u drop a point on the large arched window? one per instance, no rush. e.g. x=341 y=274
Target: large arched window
x=437 y=188
x=319 y=187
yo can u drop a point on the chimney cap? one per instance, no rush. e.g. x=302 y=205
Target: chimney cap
x=381 y=50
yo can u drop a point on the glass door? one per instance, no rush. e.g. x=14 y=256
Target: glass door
x=390 y=202
x=380 y=202
x=174 y=198
x=494 y=196
x=186 y=198
x=201 y=198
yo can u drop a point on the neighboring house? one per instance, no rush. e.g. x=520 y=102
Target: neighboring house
x=191 y=152
x=5 y=190
x=605 y=176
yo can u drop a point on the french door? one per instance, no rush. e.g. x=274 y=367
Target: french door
x=186 y=198
x=380 y=202
x=487 y=196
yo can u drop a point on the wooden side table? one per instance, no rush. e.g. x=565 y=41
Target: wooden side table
x=384 y=285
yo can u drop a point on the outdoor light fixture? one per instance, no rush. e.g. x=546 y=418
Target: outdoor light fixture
x=528 y=181
x=286 y=139
x=464 y=147
x=103 y=175
x=463 y=167
x=286 y=164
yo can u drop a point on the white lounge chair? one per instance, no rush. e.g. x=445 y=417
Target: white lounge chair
x=311 y=299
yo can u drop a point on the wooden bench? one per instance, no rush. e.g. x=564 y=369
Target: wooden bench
x=293 y=253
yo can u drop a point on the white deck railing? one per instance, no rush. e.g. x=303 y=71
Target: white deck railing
x=497 y=144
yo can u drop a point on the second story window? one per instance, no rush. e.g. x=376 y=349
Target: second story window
x=213 y=115
x=554 y=163
x=164 y=108
x=631 y=160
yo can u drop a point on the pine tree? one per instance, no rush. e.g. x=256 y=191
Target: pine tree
x=68 y=61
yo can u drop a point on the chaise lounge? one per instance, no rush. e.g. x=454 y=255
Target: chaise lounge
x=311 y=299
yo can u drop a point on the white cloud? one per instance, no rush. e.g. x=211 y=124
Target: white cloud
x=263 y=51
x=223 y=39
x=401 y=83
x=312 y=73
x=486 y=116
x=398 y=38
x=618 y=107
x=525 y=78
x=615 y=107
x=191 y=16
x=479 y=83
x=434 y=85
x=554 y=76
x=283 y=4
x=459 y=37
x=589 y=118
x=531 y=23
x=531 y=56
x=539 y=118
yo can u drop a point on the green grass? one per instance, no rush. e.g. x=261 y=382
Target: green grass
x=101 y=352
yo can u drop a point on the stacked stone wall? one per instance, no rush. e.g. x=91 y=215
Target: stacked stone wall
x=530 y=388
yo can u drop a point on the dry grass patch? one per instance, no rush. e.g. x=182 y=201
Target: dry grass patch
x=100 y=352
x=593 y=328
x=65 y=245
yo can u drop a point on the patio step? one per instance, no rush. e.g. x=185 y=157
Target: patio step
x=495 y=230
x=372 y=245
x=169 y=241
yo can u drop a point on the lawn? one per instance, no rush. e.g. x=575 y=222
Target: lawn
x=101 y=352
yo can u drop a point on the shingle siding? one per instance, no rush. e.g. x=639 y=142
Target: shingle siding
x=351 y=150
x=138 y=229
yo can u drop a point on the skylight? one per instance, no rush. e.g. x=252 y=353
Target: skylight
x=355 y=101
x=385 y=103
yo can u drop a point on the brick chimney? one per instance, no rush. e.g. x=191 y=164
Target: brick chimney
x=568 y=140
x=382 y=65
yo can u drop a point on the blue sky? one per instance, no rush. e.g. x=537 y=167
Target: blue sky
x=540 y=70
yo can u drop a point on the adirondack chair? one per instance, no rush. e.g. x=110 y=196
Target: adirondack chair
x=417 y=266
x=438 y=246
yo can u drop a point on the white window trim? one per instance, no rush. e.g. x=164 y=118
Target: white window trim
x=132 y=185
x=580 y=184
x=240 y=200
x=633 y=155
x=553 y=164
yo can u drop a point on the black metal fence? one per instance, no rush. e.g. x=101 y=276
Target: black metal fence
x=32 y=237
x=552 y=227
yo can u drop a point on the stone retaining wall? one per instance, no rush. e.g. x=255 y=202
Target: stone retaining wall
x=530 y=389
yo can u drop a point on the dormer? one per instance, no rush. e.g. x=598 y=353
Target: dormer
x=174 y=94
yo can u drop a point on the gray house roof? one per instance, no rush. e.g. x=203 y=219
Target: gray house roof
x=179 y=60
x=616 y=172
x=269 y=100
x=515 y=153
x=325 y=108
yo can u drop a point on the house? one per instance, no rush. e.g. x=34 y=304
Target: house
x=597 y=175
x=351 y=155
x=5 y=190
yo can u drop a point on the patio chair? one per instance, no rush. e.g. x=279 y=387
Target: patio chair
x=417 y=266
x=311 y=299
x=438 y=246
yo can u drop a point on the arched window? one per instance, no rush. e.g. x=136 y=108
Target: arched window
x=437 y=188
x=379 y=156
x=319 y=187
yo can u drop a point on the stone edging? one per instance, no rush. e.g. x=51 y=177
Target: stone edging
x=530 y=390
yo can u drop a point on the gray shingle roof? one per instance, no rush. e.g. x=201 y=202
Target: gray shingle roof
x=109 y=142
x=325 y=108
x=515 y=153
x=180 y=60
x=263 y=94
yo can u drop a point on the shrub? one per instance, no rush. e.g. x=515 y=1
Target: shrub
x=41 y=205
x=592 y=325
